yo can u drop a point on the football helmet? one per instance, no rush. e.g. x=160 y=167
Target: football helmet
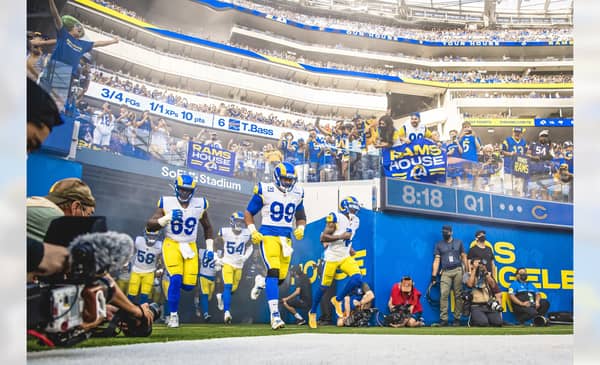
x=151 y=237
x=185 y=186
x=285 y=176
x=237 y=221
x=349 y=203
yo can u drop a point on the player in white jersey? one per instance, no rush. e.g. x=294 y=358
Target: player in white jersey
x=411 y=131
x=180 y=215
x=236 y=250
x=280 y=203
x=209 y=266
x=337 y=241
x=145 y=259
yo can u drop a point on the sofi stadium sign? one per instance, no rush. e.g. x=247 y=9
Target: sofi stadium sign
x=179 y=114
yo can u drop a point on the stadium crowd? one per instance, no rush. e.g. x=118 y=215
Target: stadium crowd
x=509 y=35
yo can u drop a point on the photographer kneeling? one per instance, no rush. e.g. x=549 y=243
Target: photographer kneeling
x=405 y=305
x=357 y=307
x=485 y=309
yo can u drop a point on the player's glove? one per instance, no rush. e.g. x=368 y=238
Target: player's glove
x=166 y=219
x=299 y=232
x=257 y=237
x=177 y=214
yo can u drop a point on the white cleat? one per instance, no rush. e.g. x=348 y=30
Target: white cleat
x=277 y=322
x=173 y=320
x=220 y=301
x=227 y=317
x=259 y=285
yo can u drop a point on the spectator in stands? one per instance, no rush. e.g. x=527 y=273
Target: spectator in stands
x=214 y=142
x=36 y=57
x=385 y=132
x=273 y=157
x=287 y=148
x=470 y=145
x=488 y=171
x=301 y=160
x=526 y=299
x=454 y=168
x=405 y=294
x=159 y=139
x=67 y=53
x=103 y=127
x=143 y=128
x=540 y=154
x=562 y=190
x=513 y=147
x=371 y=165
x=327 y=165
x=314 y=151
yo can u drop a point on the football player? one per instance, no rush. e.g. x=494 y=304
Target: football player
x=180 y=215
x=236 y=250
x=411 y=131
x=337 y=241
x=144 y=262
x=280 y=203
x=208 y=268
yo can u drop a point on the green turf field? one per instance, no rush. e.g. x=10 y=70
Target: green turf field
x=207 y=331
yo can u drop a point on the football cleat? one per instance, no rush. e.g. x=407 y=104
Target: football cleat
x=338 y=307
x=277 y=322
x=259 y=285
x=227 y=317
x=312 y=320
x=301 y=322
x=207 y=317
x=173 y=320
x=220 y=301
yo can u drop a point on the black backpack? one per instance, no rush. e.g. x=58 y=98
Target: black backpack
x=560 y=317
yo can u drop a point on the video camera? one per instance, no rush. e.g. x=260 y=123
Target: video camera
x=399 y=314
x=66 y=307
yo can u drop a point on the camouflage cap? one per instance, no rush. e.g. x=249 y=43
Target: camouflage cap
x=71 y=189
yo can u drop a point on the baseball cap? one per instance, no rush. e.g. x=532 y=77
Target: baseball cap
x=545 y=132
x=479 y=232
x=71 y=189
x=517 y=129
x=447 y=228
x=416 y=114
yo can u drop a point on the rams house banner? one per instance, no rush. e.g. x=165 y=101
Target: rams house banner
x=210 y=159
x=422 y=160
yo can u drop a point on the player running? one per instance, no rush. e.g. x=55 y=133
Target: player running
x=209 y=266
x=337 y=241
x=145 y=259
x=236 y=250
x=279 y=202
x=179 y=215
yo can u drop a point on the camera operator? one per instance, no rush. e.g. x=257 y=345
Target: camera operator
x=405 y=301
x=526 y=299
x=357 y=307
x=481 y=249
x=485 y=309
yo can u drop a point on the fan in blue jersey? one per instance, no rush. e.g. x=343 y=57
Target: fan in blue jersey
x=541 y=155
x=280 y=204
x=470 y=145
x=337 y=240
x=180 y=215
x=513 y=147
x=454 y=170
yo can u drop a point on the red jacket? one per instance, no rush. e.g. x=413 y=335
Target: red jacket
x=413 y=298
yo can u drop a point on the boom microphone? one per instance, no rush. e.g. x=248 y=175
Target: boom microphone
x=94 y=254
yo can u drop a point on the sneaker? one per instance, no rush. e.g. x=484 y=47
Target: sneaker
x=259 y=285
x=173 y=320
x=312 y=320
x=227 y=317
x=220 y=301
x=301 y=322
x=207 y=317
x=277 y=322
x=338 y=307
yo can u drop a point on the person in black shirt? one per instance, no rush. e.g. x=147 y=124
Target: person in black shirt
x=482 y=250
x=300 y=298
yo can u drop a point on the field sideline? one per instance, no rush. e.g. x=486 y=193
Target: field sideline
x=210 y=331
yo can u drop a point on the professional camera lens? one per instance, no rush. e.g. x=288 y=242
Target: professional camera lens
x=155 y=309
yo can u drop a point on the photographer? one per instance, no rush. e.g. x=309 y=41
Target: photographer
x=526 y=299
x=405 y=302
x=357 y=307
x=485 y=309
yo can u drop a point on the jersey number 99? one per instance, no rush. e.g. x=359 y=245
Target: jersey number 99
x=177 y=225
x=278 y=212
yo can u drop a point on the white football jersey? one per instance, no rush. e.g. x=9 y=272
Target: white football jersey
x=354 y=224
x=278 y=208
x=183 y=230
x=340 y=249
x=234 y=247
x=206 y=266
x=145 y=257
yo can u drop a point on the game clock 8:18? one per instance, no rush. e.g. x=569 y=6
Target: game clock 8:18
x=424 y=197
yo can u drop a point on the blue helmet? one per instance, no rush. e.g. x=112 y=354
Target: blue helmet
x=185 y=186
x=237 y=221
x=348 y=203
x=151 y=237
x=285 y=170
